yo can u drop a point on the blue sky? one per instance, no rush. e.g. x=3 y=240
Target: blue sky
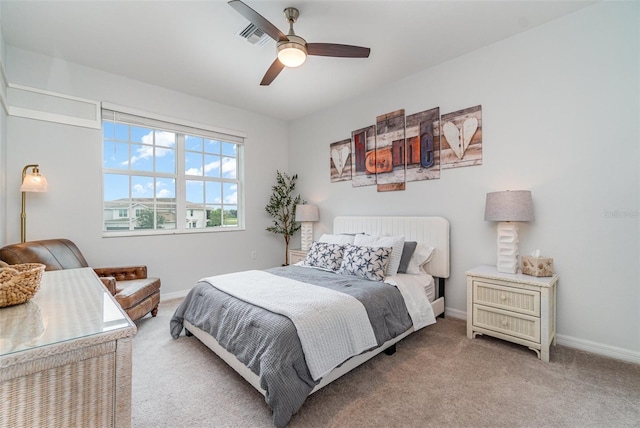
x=128 y=147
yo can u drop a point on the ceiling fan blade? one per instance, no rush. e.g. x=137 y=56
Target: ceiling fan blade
x=258 y=20
x=332 y=49
x=272 y=72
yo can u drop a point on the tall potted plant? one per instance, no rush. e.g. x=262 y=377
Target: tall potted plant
x=282 y=207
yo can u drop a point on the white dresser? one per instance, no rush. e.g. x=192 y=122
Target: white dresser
x=514 y=307
x=65 y=356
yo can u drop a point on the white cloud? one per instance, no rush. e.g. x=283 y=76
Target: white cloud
x=231 y=198
x=211 y=166
x=139 y=189
x=207 y=168
x=163 y=138
x=229 y=166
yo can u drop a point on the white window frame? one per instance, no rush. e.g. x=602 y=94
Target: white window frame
x=154 y=121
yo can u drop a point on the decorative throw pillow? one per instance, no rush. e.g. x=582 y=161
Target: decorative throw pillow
x=396 y=243
x=421 y=255
x=407 y=251
x=324 y=255
x=365 y=262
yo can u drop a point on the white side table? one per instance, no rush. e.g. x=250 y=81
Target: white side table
x=297 y=255
x=514 y=307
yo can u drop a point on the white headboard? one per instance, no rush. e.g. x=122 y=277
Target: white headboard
x=432 y=231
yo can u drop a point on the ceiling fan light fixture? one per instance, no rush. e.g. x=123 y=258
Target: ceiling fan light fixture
x=292 y=50
x=291 y=53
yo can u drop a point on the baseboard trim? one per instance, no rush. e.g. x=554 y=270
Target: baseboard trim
x=175 y=295
x=455 y=313
x=599 y=348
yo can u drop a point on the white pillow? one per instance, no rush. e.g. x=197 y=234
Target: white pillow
x=337 y=239
x=421 y=255
x=396 y=242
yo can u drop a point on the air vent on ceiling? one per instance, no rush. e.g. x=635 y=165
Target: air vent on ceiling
x=254 y=35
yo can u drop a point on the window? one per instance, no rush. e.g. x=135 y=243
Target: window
x=171 y=177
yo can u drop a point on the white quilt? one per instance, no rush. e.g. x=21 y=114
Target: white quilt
x=332 y=326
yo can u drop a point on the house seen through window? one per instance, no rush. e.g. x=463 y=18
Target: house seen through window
x=163 y=177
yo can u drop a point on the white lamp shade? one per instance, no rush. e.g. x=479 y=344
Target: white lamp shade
x=292 y=52
x=307 y=213
x=509 y=205
x=504 y=207
x=292 y=57
x=34 y=182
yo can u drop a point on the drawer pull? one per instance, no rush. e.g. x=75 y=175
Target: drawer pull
x=503 y=297
x=505 y=323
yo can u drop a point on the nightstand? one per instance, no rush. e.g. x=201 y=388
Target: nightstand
x=514 y=307
x=297 y=255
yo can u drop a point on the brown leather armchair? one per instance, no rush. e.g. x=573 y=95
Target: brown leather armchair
x=136 y=293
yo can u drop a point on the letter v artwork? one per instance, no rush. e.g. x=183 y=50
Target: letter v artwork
x=399 y=148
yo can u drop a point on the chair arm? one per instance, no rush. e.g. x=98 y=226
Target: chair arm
x=110 y=283
x=123 y=273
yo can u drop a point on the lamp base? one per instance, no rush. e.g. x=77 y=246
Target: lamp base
x=507 y=247
x=306 y=237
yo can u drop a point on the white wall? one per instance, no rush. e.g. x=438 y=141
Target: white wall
x=71 y=157
x=3 y=148
x=560 y=110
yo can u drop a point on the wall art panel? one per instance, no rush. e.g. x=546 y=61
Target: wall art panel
x=363 y=144
x=462 y=131
x=422 y=149
x=389 y=159
x=340 y=160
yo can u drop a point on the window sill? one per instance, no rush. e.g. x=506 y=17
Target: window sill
x=135 y=233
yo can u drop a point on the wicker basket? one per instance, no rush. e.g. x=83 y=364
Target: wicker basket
x=19 y=283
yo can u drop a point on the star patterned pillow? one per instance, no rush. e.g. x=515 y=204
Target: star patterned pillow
x=366 y=262
x=324 y=255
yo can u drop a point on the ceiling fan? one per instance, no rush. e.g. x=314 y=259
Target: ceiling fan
x=293 y=49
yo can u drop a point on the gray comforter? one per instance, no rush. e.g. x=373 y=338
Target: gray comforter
x=267 y=343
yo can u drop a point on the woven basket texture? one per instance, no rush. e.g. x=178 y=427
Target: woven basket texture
x=19 y=283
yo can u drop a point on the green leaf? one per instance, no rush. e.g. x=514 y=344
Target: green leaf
x=282 y=207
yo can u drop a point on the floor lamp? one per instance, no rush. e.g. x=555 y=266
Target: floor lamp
x=306 y=214
x=31 y=182
x=507 y=207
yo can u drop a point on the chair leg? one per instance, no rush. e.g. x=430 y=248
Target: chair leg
x=154 y=311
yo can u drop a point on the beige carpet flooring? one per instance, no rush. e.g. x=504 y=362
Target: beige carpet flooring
x=437 y=378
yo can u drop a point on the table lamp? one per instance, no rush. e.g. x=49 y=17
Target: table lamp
x=507 y=207
x=306 y=214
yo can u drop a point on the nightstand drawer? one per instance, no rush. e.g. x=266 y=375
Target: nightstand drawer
x=509 y=298
x=506 y=322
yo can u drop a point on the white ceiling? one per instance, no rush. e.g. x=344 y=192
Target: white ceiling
x=193 y=47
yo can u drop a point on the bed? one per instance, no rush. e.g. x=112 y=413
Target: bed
x=252 y=320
